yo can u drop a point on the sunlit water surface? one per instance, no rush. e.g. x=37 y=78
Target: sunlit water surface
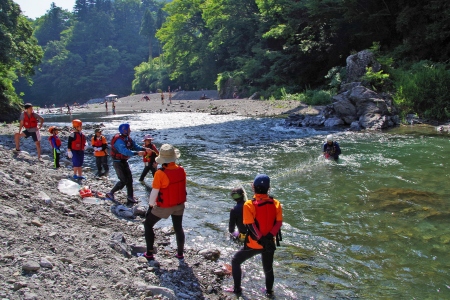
x=374 y=225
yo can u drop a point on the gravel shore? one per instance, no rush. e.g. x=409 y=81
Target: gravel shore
x=188 y=102
x=57 y=246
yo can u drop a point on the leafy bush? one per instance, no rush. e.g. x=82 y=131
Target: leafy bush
x=423 y=88
x=310 y=97
x=376 y=80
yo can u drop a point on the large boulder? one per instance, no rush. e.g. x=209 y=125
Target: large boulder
x=357 y=64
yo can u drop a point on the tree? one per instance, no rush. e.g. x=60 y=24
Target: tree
x=19 y=53
x=185 y=41
x=49 y=27
x=148 y=30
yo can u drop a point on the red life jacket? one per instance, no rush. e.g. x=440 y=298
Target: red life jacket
x=79 y=142
x=29 y=121
x=149 y=157
x=128 y=144
x=175 y=193
x=266 y=215
x=57 y=140
x=98 y=142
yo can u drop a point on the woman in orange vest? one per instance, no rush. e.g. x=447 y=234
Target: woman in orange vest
x=263 y=217
x=167 y=199
x=100 y=144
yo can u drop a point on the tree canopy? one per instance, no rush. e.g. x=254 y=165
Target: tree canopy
x=19 y=53
x=126 y=46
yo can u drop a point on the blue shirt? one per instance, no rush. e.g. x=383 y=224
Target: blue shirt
x=122 y=148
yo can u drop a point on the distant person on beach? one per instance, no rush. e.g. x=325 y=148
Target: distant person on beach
x=106 y=105
x=263 y=218
x=55 y=142
x=236 y=215
x=122 y=148
x=149 y=158
x=29 y=120
x=162 y=97
x=114 y=107
x=100 y=144
x=146 y=98
x=166 y=199
x=331 y=149
x=75 y=149
x=170 y=97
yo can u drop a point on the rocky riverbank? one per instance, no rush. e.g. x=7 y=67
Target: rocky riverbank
x=55 y=246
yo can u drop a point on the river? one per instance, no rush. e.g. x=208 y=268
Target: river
x=374 y=225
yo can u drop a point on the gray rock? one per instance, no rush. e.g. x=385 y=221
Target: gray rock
x=30 y=266
x=210 y=254
x=45 y=263
x=10 y=212
x=354 y=126
x=357 y=64
x=117 y=242
x=335 y=121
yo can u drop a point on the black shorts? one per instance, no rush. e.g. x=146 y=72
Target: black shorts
x=36 y=136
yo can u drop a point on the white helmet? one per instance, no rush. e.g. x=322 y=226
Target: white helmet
x=329 y=138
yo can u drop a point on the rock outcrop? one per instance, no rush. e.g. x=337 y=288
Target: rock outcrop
x=355 y=105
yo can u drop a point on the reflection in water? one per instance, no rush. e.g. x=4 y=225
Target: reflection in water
x=374 y=225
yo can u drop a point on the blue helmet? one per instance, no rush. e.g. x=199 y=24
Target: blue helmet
x=124 y=129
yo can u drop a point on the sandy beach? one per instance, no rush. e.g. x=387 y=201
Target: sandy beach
x=188 y=102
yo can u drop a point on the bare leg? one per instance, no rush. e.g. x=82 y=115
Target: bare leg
x=17 y=137
x=38 y=148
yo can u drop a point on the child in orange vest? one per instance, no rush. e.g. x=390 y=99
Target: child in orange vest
x=149 y=158
x=75 y=149
x=101 y=157
x=55 y=142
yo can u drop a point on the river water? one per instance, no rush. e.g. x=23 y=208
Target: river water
x=374 y=225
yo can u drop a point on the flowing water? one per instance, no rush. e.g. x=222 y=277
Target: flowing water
x=374 y=225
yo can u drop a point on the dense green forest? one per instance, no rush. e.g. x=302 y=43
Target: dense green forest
x=292 y=49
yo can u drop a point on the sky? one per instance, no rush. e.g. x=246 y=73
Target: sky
x=37 y=8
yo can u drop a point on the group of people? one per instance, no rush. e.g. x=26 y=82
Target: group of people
x=113 y=105
x=258 y=220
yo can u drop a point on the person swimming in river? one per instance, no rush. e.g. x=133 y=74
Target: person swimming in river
x=331 y=149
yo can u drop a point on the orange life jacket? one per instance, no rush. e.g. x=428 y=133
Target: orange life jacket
x=266 y=215
x=79 y=142
x=128 y=144
x=29 y=121
x=97 y=142
x=57 y=140
x=175 y=193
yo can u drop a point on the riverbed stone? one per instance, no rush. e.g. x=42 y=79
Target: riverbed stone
x=30 y=266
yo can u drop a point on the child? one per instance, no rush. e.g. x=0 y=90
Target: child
x=75 y=149
x=149 y=158
x=238 y=195
x=101 y=157
x=56 y=144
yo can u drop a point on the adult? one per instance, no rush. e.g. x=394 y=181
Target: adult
x=331 y=149
x=162 y=97
x=236 y=215
x=29 y=120
x=263 y=218
x=166 y=199
x=106 y=105
x=122 y=148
